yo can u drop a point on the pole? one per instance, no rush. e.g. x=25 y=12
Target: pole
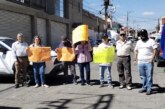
x=128 y=12
x=98 y=27
x=106 y=16
x=127 y=25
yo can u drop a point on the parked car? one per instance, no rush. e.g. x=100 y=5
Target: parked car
x=98 y=41
x=7 y=60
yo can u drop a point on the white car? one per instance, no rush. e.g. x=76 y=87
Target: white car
x=7 y=61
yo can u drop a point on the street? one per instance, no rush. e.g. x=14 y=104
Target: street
x=59 y=96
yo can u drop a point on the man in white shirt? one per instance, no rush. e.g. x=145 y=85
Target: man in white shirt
x=144 y=54
x=19 y=49
x=123 y=48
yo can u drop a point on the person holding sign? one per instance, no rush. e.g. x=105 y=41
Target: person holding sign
x=82 y=50
x=123 y=48
x=67 y=63
x=105 y=66
x=38 y=67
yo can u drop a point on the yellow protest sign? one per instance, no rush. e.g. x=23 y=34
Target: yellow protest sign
x=80 y=34
x=65 y=54
x=39 y=54
x=103 y=55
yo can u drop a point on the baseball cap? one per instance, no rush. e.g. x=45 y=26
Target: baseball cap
x=122 y=32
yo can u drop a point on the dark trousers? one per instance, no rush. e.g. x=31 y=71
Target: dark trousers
x=71 y=66
x=87 y=68
x=21 y=67
x=124 y=69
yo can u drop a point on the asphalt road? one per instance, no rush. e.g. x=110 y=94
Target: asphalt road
x=69 y=96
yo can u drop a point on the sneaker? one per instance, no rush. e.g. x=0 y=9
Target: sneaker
x=82 y=84
x=129 y=87
x=88 y=84
x=74 y=82
x=121 y=86
x=111 y=86
x=101 y=85
x=142 y=90
x=16 y=85
x=36 y=86
x=148 y=93
x=44 y=85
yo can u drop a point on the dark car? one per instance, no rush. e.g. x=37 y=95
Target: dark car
x=98 y=41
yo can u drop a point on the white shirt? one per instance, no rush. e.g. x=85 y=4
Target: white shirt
x=145 y=50
x=19 y=49
x=123 y=48
x=103 y=45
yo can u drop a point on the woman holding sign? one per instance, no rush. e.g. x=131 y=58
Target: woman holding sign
x=38 y=67
x=66 y=43
x=82 y=50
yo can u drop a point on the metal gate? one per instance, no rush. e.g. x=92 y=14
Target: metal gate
x=12 y=23
x=57 y=30
x=41 y=30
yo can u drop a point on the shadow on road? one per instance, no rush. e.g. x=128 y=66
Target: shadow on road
x=103 y=102
x=5 y=107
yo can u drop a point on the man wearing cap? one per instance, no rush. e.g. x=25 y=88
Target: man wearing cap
x=144 y=55
x=19 y=49
x=123 y=48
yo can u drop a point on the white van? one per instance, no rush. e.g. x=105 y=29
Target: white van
x=7 y=61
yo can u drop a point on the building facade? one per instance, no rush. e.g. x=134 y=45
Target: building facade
x=48 y=18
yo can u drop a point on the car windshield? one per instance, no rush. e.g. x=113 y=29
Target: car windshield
x=8 y=42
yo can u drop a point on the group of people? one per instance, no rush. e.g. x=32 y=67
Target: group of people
x=144 y=54
x=20 y=54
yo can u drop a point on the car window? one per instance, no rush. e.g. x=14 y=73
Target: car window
x=158 y=40
x=3 y=49
x=8 y=42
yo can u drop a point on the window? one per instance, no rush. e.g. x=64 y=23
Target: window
x=38 y=4
x=23 y=2
x=59 y=8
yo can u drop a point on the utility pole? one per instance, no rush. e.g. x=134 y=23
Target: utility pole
x=106 y=4
x=98 y=27
x=128 y=12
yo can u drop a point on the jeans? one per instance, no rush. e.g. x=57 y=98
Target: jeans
x=39 y=68
x=108 y=71
x=85 y=65
x=146 y=73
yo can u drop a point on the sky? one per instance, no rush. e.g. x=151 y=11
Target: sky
x=141 y=13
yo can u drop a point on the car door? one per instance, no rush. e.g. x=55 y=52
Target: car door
x=6 y=60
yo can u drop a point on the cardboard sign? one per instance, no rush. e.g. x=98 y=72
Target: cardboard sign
x=39 y=54
x=65 y=54
x=80 y=34
x=103 y=55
